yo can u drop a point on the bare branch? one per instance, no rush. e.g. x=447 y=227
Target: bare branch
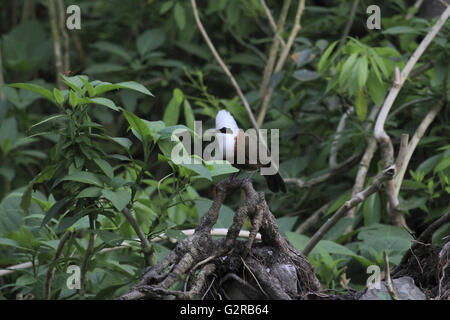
x=146 y=246
x=337 y=136
x=417 y=6
x=349 y=23
x=272 y=21
x=223 y=66
x=308 y=223
x=386 y=175
x=332 y=173
x=381 y=136
x=56 y=42
x=364 y=164
x=389 y=286
x=280 y=63
x=401 y=167
x=268 y=70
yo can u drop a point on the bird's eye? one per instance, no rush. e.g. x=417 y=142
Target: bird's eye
x=224 y=130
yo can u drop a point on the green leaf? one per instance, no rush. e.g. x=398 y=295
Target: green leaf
x=372 y=209
x=124 y=142
x=9 y=243
x=141 y=130
x=105 y=68
x=119 y=199
x=339 y=202
x=198 y=168
x=188 y=115
x=131 y=85
x=166 y=6
x=35 y=88
x=75 y=82
x=443 y=164
x=347 y=68
x=305 y=75
x=50 y=119
x=363 y=72
x=150 y=40
x=172 y=112
x=59 y=97
x=90 y=192
x=55 y=210
x=83 y=177
x=180 y=15
x=377 y=91
x=73 y=99
x=26 y=198
x=106 y=167
x=361 y=105
x=89 y=87
x=323 y=60
x=400 y=30
x=101 y=101
x=114 y=49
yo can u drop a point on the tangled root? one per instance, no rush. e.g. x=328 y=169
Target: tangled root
x=229 y=268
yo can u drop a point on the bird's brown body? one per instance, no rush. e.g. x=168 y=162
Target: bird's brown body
x=274 y=182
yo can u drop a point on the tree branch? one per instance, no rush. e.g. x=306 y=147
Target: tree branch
x=337 y=136
x=282 y=59
x=56 y=42
x=268 y=70
x=401 y=169
x=381 y=136
x=146 y=246
x=385 y=175
x=223 y=66
x=389 y=286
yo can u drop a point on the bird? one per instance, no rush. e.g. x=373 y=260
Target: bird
x=230 y=137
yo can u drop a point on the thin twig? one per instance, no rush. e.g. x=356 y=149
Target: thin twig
x=56 y=42
x=349 y=24
x=282 y=59
x=389 y=286
x=147 y=248
x=420 y=131
x=383 y=176
x=364 y=164
x=87 y=257
x=337 y=136
x=308 y=223
x=417 y=6
x=268 y=70
x=272 y=21
x=51 y=268
x=223 y=66
x=62 y=27
x=325 y=177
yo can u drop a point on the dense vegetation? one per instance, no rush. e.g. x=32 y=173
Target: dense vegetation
x=86 y=119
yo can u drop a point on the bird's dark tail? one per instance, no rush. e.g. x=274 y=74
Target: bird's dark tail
x=275 y=183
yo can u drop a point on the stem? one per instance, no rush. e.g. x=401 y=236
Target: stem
x=85 y=264
x=51 y=268
x=383 y=176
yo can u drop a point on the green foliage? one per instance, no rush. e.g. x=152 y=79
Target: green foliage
x=72 y=158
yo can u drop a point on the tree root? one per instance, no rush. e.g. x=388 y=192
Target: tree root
x=272 y=269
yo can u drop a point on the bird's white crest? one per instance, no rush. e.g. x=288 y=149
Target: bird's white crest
x=224 y=119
